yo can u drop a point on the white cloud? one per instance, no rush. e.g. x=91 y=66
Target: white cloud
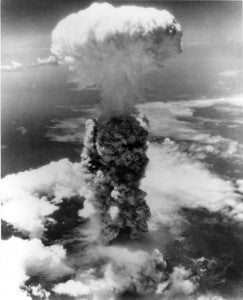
x=50 y=60
x=174 y=180
x=180 y=283
x=38 y=291
x=88 y=285
x=88 y=210
x=124 y=270
x=73 y=288
x=231 y=73
x=26 y=212
x=113 y=211
x=240 y=185
x=166 y=114
x=14 y=66
x=112 y=47
x=21 y=259
x=25 y=195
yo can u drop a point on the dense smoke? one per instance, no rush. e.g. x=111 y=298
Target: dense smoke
x=115 y=157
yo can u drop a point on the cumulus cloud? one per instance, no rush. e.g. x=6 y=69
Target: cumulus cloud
x=88 y=285
x=180 y=283
x=88 y=210
x=74 y=288
x=240 y=185
x=29 y=197
x=173 y=180
x=39 y=292
x=50 y=60
x=13 y=67
x=112 y=47
x=21 y=259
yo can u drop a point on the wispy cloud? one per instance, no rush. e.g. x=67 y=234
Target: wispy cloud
x=13 y=67
x=40 y=62
x=177 y=120
x=231 y=73
x=22 y=130
x=69 y=130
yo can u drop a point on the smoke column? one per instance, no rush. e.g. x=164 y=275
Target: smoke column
x=111 y=48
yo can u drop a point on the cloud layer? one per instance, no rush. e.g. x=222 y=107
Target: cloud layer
x=180 y=121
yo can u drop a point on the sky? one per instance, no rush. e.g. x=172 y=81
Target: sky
x=220 y=20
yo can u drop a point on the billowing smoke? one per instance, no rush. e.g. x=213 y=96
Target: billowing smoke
x=115 y=157
x=113 y=47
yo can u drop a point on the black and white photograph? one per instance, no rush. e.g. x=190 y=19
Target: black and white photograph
x=121 y=150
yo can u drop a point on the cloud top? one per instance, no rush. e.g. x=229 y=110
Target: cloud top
x=112 y=47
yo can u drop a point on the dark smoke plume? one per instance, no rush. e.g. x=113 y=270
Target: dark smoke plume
x=115 y=155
